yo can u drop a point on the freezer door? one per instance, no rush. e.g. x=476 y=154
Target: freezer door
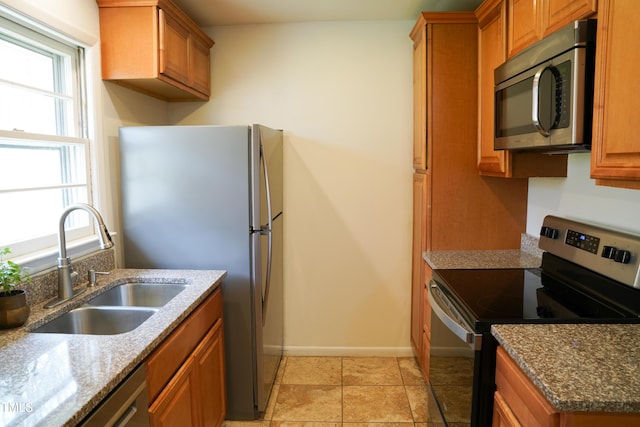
x=185 y=197
x=266 y=148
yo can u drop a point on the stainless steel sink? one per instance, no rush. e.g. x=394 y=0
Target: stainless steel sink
x=98 y=320
x=138 y=294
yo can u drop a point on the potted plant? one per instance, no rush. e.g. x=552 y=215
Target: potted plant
x=14 y=310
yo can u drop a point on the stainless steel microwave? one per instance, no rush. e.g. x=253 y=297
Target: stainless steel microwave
x=544 y=94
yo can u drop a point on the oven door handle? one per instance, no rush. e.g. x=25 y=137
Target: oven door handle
x=451 y=318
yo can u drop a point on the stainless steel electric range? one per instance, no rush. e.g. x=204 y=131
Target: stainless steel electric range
x=588 y=274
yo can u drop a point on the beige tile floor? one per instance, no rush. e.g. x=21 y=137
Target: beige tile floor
x=345 y=391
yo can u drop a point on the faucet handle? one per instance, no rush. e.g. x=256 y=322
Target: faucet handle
x=93 y=276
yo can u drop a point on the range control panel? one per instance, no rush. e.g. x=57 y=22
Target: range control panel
x=609 y=252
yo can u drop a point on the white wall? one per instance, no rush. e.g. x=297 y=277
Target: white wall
x=342 y=92
x=577 y=197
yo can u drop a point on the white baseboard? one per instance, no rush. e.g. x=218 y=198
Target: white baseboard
x=349 y=351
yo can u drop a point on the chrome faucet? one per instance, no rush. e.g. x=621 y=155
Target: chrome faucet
x=66 y=275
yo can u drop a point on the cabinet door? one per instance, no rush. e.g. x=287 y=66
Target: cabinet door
x=524 y=24
x=420 y=99
x=425 y=357
x=177 y=405
x=199 y=66
x=426 y=304
x=558 y=13
x=492 y=53
x=616 y=147
x=174 y=48
x=426 y=323
x=209 y=371
x=419 y=245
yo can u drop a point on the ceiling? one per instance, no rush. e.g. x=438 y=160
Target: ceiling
x=241 y=12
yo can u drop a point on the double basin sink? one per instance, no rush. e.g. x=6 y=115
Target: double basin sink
x=120 y=309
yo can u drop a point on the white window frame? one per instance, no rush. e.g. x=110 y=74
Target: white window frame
x=23 y=28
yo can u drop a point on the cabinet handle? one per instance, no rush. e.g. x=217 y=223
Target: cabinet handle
x=127 y=416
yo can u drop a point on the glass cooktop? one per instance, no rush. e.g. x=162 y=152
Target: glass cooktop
x=487 y=296
x=493 y=294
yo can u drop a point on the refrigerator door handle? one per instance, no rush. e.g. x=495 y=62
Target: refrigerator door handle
x=265 y=297
x=267 y=230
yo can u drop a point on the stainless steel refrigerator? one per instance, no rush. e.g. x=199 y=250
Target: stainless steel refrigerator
x=210 y=197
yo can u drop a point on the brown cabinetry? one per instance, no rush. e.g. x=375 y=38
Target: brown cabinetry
x=151 y=46
x=531 y=20
x=426 y=322
x=519 y=398
x=615 y=157
x=454 y=207
x=518 y=402
x=558 y=13
x=185 y=374
x=492 y=45
x=419 y=243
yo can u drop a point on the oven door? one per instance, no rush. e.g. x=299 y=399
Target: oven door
x=458 y=371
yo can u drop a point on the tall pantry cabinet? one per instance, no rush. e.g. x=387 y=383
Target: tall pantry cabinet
x=454 y=207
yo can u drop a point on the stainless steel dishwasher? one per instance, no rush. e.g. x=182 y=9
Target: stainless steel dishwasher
x=127 y=405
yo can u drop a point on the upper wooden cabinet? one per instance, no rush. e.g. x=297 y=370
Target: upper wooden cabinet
x=419 y=100
x=558 y=13
x=615 y=159
x=492 y=47
x=151 y=46
x=531 y=20
x=524 y=24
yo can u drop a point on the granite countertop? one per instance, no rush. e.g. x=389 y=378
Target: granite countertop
x=528 y=256
x=57 y=379
x=579 y=367
x=513 y=258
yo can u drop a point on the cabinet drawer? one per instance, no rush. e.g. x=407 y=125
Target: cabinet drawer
x=527 y=404
x=170 y=355
x=502 y=415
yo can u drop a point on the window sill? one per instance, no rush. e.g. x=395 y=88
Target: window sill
x=47 y=259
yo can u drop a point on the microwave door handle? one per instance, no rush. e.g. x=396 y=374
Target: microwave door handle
x=535 y=103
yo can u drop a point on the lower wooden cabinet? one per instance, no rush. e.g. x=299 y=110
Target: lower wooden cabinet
x=177 y=404
x=209 y=372
x=518 y=402
x=425 y=352
x=185 y=374
x=502 y=415
x=519 y=397
x=419 y=245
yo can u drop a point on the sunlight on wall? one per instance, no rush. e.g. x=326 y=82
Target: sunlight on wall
x=342 y=92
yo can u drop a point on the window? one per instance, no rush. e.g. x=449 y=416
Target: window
x=44 y=149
